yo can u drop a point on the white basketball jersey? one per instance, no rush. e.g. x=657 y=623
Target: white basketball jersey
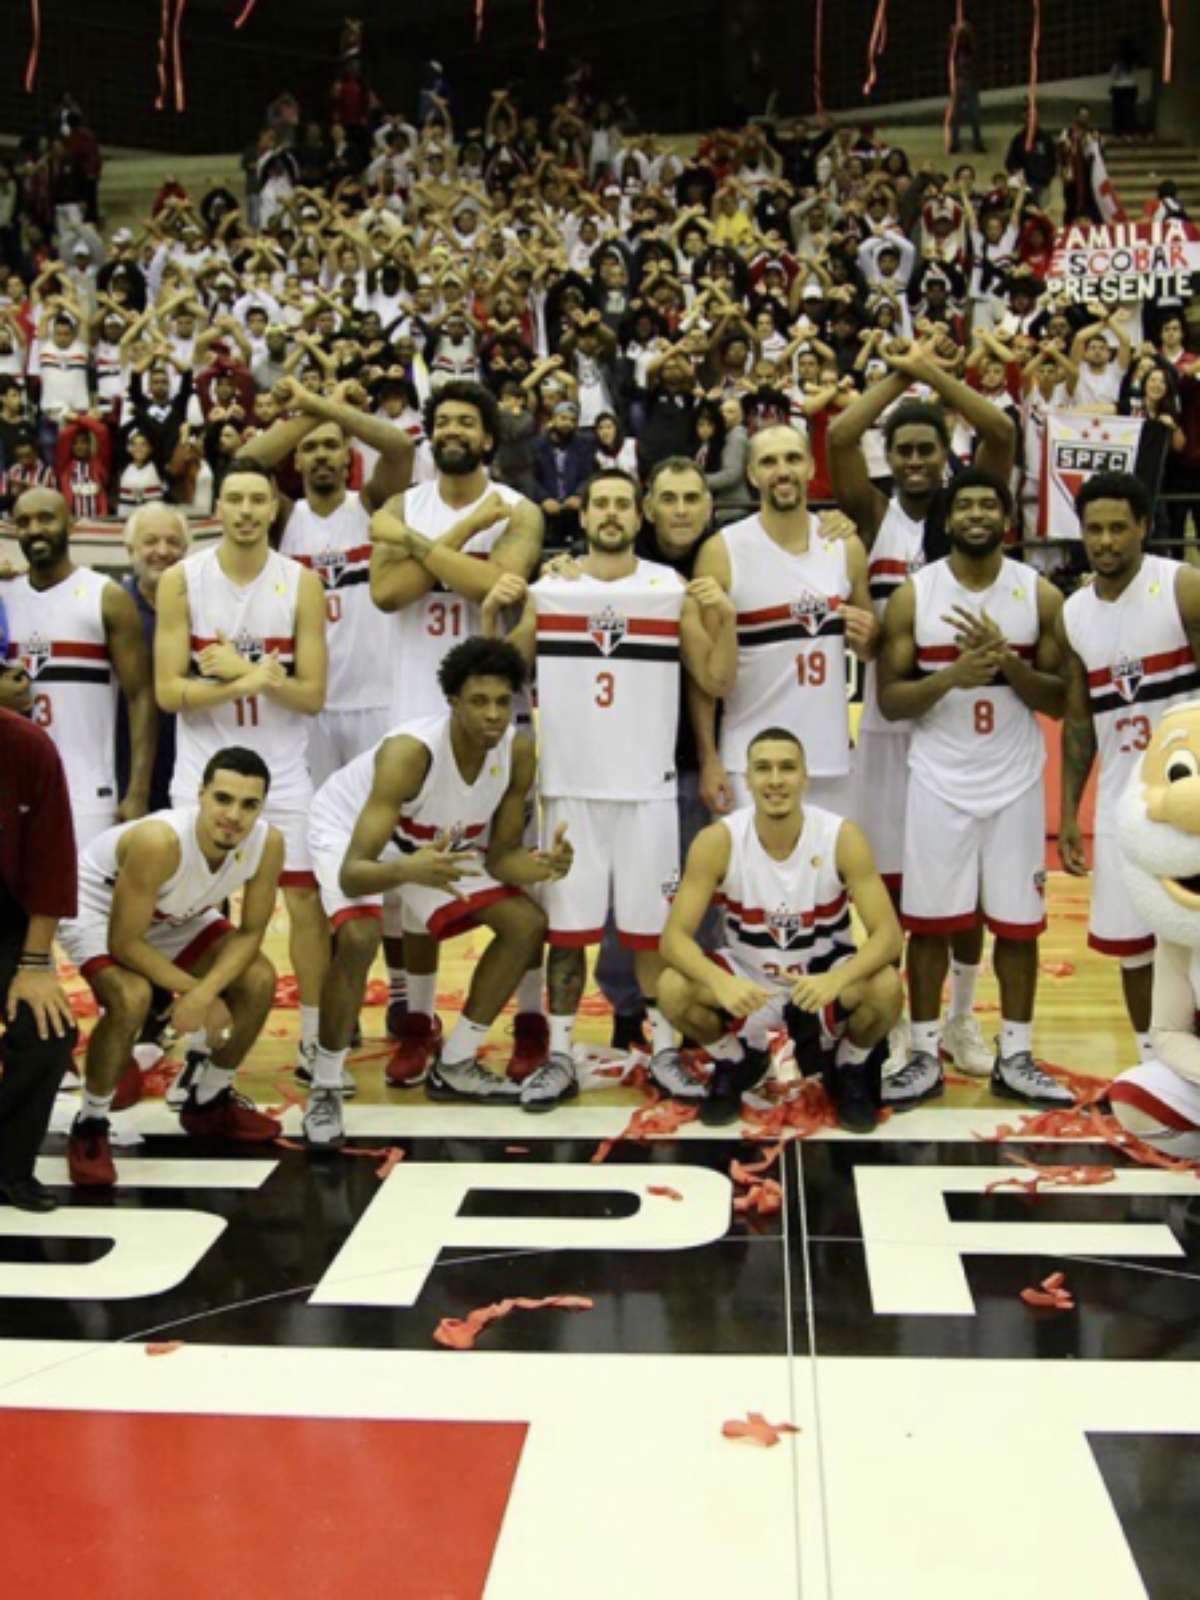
x=1139 y=664
x=360 y=636
x=428 y=628
x=256 y=620
x=192 y=888
x=898 y=552
x=791 y=646
x=608 y=684
x=785 y=918
x=977 y=748
x=58 y=636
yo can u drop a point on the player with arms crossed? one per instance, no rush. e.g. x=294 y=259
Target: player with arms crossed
x=788 y=875
x=970 y=655
x=1131 y=644
x=148 y=898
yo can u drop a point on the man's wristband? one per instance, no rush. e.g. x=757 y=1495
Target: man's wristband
x=35 y=961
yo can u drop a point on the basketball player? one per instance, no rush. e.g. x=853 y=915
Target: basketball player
x=970 y=655
x=899 y=539
x=437 y=811
x=1131 y=644
x=440 y=548
x=240 y=654
x=788 y=875
x=148 y=898
x=608 y=646
x=800 y=598
x=77 y=636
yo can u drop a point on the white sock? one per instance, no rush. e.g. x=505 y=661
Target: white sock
x=1146 y=1051
x=397 y=985
x=197 y=1042
x=465 y=1041
x=962 y=988
x=95 y=1106
x=213 y=1080
x=529 y=992
x=850 y=1054
x=1015 y=1037
x=422 y=992
x=327 y=1067
x=662 y=1032
x=727 y=1048
x=926 y=1038
x=756 y=1034
x=561 y=1029
x=310 y=1016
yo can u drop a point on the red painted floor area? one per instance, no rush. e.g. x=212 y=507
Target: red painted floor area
x=132 y=1506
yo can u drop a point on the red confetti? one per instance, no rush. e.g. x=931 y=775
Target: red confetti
x=664 y=1191
x=876 y=47
x=1168 y=66
x=245 y=16
x=35 y=46
x=516 y=1149
x=657 y=1119
x=1052 y=1295
x=166 y=1347
x=1058 y=969
x=819 y=58
x=757 y=1430
x=460 y=1333
x=1035 y=47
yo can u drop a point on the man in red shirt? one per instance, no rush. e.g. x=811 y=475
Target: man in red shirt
x=37 y=888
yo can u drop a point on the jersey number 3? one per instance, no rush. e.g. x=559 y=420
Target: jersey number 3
x=606 y=686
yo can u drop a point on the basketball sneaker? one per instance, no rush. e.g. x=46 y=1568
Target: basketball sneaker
x=853 y=1088
x=89 y=1155
x=963 y=1042
x=323 y=1124
x=729 y=1082
x=228 y=1115
x=468 y=1080
x=419 y=1047
x=554 y=1081
x=129 y=1088
x=184 y=1081
x=531 y=1045
x=919 y=1079
x=670 y=1073
x=1019 y=1077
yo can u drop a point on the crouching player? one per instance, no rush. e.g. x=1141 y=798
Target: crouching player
x=148 y=898
x=788 y=877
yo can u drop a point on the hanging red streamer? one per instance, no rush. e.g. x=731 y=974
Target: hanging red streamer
x=541 y=23
x=163 y=32
x=479 y=5
x=877 y=45
x=952 y=73
x=170 y=55
x=245 y=16
x=180 y=97
x=35 y=45
x=819 y=58
x=1168 y=66
x=1035 y=47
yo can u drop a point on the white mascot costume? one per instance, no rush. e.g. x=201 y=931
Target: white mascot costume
x=1159 y=831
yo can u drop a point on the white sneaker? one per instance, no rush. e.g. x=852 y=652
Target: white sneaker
x=900 y=1047
x=963 y=1043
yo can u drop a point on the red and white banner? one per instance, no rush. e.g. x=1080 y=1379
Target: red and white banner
x=1125 y=261
x=1076 y=446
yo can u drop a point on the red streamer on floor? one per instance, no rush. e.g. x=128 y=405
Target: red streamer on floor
x=35 y=45
x=877 y=45
x=1168 y=66
x=757 y=1430
x=245 y=16
x=952 y=74
x=1035 y=48
x=460 y=1333
x=819 y=58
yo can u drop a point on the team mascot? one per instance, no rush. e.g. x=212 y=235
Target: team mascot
x=1159 y=832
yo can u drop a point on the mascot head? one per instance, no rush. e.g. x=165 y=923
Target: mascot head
x=1159 y=829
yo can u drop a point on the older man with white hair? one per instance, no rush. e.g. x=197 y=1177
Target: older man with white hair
x=156 y=536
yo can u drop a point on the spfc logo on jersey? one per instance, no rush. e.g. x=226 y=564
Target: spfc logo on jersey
x=670 y=887
x=456 y=837
x=33 y=654
x=810 y=611
x=249 y=648
x=329 y=566
x=784 y=926
x=1127 y=678
x=606 y=630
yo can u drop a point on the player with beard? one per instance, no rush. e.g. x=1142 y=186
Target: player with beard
x=77 y=636
x=608 y=644
x=970 y=655
x=800 y=598
x=1131 y=644
x=439 y=549
x=900 y=538
x=149 y=894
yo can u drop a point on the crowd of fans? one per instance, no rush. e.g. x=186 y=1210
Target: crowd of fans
x=624 y=300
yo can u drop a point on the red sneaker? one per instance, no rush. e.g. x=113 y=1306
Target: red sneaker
x=89 y=1158
x=129 y=1088
x=228 y=1116
x=419 y=1047
x=531 y=1045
